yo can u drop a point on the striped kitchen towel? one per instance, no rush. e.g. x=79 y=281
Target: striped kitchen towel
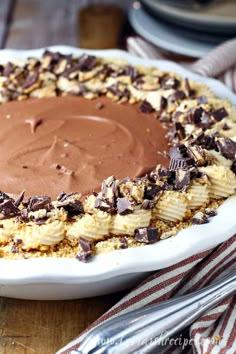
x=212 y=333
x=219 y=62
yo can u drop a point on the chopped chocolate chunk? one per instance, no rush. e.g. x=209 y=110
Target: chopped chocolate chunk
x=176 y=131
x=189 y=90
x=169 y=82
x=110 y=190
x=87 y=249
x=160 y=172
x=197 y=154
x=14 y=249
x=19 y=199
x=39 y=221
x=87 y=62
x=178 y=95
x=233 y=167
x=1 y=226
x=131 y=72
x=227 y=148
x=199 y=218
x=202 y=99
x=146 y=107
x=206 y=141
x=104 y=205
x=219 y=114
x=200 y=118
x=39 y=202
x=3 y=197
x=151 y=191
x=31 y=78
x=123 y=242
x=99 y=105
x=8 y=209
x=163 y=103
x=119 y=91
x=73 y=207
x=23 y=216
x=146 y=235
x=147 y=204
x=182 y=179
x=179 y=158
x=64 y=196
x=124 y=206
x=211 y=212
x=8 y=69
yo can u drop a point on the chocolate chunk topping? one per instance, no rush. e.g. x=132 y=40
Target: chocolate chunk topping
x=176 y=131
x=189 y=90
x=199 y=218
x=200 y=118
x=124 y=206
x=8 y=209
x=180 y=158
x=19 y=199
x=123 y=242
x=39 y=202
x=64 y=196
x=104 y=205
x=87 y=249
x=119 y=91
x=87 y=62
x=178 y=95
x=73 y=207
x=211 y=212
x=8 y=69
x=206 y=141
x=131 y=72
x=110 y=190
x=169 y=82
x=3 y=197
x=219 y=114
x=31 y=78
x=146 y=235
x=146 y=107
x=182 y=179
x=147 y=204
x=227 y=148
x=151 y=191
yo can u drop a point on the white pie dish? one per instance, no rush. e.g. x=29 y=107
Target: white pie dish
x=52 y=279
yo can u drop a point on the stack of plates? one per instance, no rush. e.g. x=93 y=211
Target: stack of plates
x=180 y=27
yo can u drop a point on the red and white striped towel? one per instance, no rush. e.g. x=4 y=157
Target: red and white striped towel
x=219 y=63
x=215 y=331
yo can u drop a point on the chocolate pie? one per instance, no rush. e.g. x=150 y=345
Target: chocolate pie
x=98 y=155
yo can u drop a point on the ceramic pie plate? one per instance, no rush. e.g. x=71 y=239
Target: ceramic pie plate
x=60 y=278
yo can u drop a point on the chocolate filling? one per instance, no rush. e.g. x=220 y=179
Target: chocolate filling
x=68 y=144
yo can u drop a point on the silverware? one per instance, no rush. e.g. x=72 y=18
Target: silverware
x=146 y=329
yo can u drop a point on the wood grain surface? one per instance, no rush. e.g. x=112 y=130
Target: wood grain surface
x=43 y=327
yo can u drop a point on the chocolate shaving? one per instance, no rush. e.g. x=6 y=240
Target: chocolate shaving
x=202 y=99
x=219 y=114
x=131 y=72
x=146 y=107
x=147 y=204
x=109 y=190
x=39 y=202
x=211 y=212
x=178 y=95
x=146 y=235
x=119 y=91
x=104 y=205
x=124 y=206
x=8 y=69
x=189 y=90
x=176 y=131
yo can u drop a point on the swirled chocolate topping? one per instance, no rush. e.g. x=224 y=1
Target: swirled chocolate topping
x=72 y=144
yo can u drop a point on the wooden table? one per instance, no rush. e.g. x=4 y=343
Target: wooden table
x=43 y=327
